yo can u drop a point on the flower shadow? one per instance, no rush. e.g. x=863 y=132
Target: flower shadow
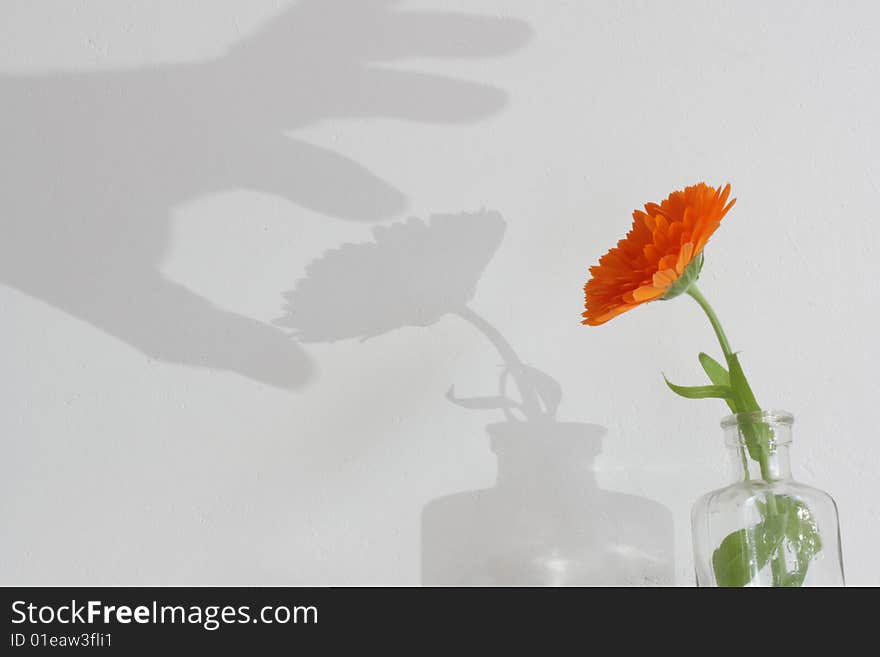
x=546 y=520
x=95 y=161
x=404 y=277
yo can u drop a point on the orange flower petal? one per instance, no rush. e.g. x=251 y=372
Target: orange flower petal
x=664 y=278
x=662 y=241
x=684 y=257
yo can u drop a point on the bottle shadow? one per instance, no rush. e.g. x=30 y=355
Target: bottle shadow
x=546 y=520
x=94 y=162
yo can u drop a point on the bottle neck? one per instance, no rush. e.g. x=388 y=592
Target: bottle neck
x=776 y=466
x=758 y=445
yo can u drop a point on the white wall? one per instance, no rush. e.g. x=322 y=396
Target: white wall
x=170 y=169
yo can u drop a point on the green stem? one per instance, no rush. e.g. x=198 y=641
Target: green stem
x=694 y=291
x=743 y=405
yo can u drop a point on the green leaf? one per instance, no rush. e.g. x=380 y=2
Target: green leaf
x=701 y=392
x=802 y=536
x=757 y=434
x=741 y=386
x=715 y=370
x=738 y=559
x=743 y=553
x=717 y=375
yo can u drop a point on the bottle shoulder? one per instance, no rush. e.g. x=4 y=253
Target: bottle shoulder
x=743 y=492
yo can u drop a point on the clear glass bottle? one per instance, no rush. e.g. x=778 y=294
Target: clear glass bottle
x=765 y=529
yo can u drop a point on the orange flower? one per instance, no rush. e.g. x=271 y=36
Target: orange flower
x=663 y=241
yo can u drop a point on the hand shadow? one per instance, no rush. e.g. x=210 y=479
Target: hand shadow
x=546 y=521
x=94 y=162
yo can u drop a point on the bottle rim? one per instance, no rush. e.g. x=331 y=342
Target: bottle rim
x=772 y=417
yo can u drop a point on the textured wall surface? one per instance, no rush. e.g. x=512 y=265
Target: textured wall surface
x=290 y=291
